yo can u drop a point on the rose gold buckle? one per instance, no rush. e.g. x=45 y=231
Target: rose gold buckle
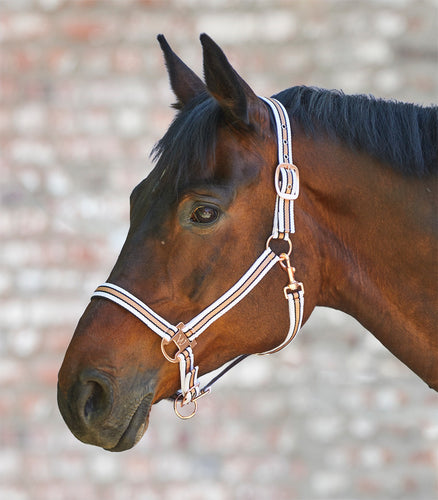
x=181 y=341
x=194 y=401
x=293 y=195
x=179 y=400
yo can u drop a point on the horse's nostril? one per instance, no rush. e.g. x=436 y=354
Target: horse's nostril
x=97 y=402
x=95 y=396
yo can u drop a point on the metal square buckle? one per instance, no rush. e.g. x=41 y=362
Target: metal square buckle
x=294 y=188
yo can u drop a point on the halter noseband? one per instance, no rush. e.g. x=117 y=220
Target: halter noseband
x=184 y=336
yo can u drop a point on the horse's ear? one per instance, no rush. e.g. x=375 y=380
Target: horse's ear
x=184 y=82
x=224 y=84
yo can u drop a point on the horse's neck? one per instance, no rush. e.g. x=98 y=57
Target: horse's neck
x=377 y=249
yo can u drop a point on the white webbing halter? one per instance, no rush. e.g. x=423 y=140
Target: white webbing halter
x=184 y=335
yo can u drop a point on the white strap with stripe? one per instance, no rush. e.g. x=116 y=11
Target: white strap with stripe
x=234 y=295
x=138 y=308
x=286 y=175
x=205 y=318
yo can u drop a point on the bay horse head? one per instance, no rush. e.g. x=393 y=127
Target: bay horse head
x=197 y=222
x=201 y=241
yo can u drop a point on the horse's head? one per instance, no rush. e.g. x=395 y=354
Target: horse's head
x=198 y=221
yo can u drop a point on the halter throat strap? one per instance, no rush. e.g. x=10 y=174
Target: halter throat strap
x=183 y=336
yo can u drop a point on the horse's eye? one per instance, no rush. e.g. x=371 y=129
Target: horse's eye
x=204 y=214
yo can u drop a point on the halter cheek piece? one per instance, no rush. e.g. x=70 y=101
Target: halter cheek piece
x=184 y=336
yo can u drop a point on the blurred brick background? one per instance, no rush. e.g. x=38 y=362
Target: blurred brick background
x=84 y=96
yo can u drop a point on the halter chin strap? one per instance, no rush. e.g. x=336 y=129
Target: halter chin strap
x=183 y=336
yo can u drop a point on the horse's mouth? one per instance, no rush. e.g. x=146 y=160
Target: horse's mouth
x=136 y=427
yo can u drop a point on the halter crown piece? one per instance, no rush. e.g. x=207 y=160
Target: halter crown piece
x=184 y=336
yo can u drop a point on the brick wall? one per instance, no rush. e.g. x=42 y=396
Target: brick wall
x=84 y=95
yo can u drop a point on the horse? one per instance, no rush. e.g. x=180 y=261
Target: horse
x=361 y=190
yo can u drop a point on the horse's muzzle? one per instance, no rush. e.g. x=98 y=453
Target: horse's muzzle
x=99 y=413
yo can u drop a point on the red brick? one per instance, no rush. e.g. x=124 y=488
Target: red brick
x=128 y=60
x=45 y=372
x=84 y=29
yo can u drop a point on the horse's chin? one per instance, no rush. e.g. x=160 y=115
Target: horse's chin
x=136 y=428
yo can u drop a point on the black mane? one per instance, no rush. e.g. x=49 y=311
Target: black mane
x=402 y=134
